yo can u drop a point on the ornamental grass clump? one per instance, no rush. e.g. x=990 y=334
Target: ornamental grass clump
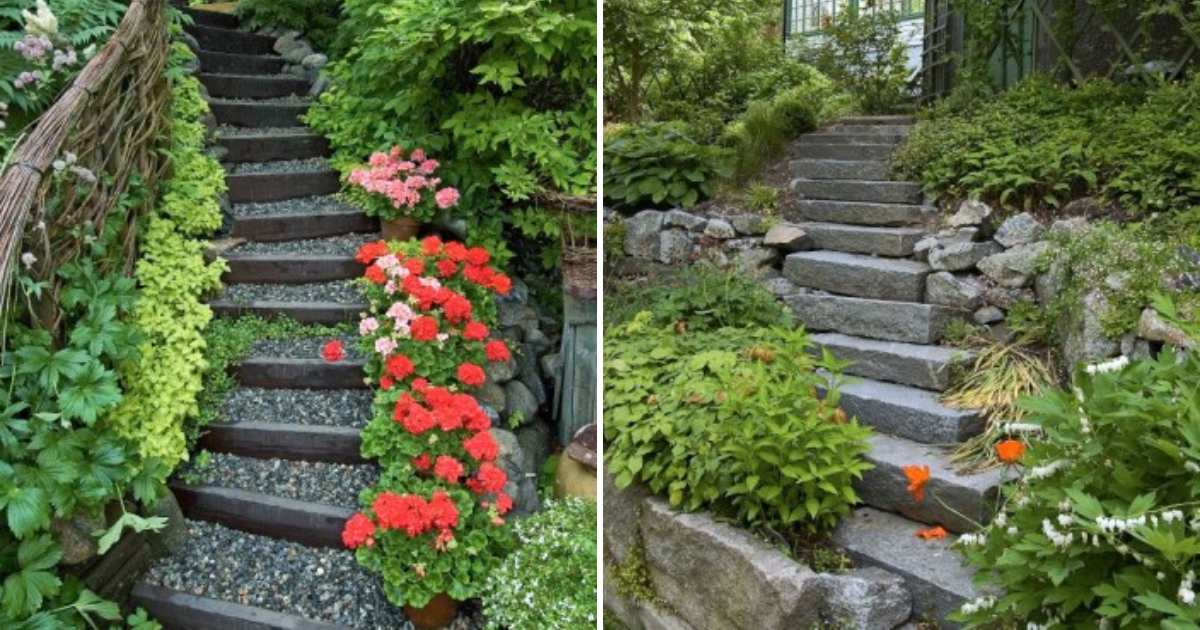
x=1102 y=526
x=434 y=524
x=550 y=580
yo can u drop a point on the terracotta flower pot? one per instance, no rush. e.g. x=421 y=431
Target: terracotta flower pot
x=438 y=613
x=399 y=229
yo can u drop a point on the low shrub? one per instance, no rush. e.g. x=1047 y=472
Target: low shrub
x=658 y=164
x=765 y=129
x=1100 y=529
x=697 y=298
x=550 y=580
x=730 y=420
x=317 y=19
x=863 y=54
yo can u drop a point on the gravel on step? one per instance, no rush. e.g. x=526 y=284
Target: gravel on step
x=326 y=407
x=230 y=130
x=322 y=584
x=302 y=347
x=291 y=99
x=277 y=166
x=302 y=205
x=315 y=482
x=338 y=291
x=341 y=245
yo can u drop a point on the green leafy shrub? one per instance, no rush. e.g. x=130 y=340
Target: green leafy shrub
x=1100 y=528
x=699 y=297
x=862 y=52
x=318 y=19
x=658 y=164
x=561 y=592
x=163 y=387
x=765 y=129
x=729 y=420
x=504 y=93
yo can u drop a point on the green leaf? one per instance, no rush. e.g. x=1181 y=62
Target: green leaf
x=27 y=510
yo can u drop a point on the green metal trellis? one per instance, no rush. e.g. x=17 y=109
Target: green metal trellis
x=809 y=17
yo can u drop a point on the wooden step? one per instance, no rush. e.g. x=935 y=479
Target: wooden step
x=253 y=86
x=269 y=440
x=264 y=114
x=277 y=186
x=291 y=227
x=258 y=147
x=289 y=269
x=312 y=524
x=305 y=312
x=288 y=373
x=232 y=63
x=223 y=40
x=177 y=610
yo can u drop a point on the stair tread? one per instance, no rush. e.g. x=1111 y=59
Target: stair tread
x=299 y=409
x=876 y=319
x=892 y=279
x=868 y=191
x=175 y=608
x=340 y=246
x=335 y=292
x=907 y=412
x=919 y=365
x=321 y=483
x=941 y=354
x=864 y=212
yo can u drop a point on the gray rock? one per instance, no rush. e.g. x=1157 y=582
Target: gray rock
x=537 y=341
x=527 y=502
x=551 y=364
x=907 y=412
x=611 y=216
x=490 y=394
x=292 y=47
x=190 y=66
x=1015 y=267
x=535 y=445
x=675 y=247
x=970 y=213
x=170 y=539
x=500 y=372
x=1083 y=337
x=511 y=458
x=315 y=61
x=519 y=400
x=988 y=315
x=74 y=536
x=923 y=247
x=742 y=244
x=1049 y=285
x=751 y=261
x=493 y=415
x=957 y=235
x=719 y=229
x=1007 y=298
x=1153 y=327
x=1074 y=225
x=1085 y=207
x=320 y=86
x=681 y=219
x=1019 y=230
x=961 y=256
x=637 y=615
x=947 y=289
x=866 y=599
x=781 y=287
x=295 y=70
x=511 y=313
x=790 y=238
x=622 y=513
x=298 y=54
x=188 y=41
x=641 y=234
x=529 y=373
x=750 y=224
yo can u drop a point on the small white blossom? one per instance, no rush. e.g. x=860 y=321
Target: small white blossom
x=28 y=259
x=1114 y=365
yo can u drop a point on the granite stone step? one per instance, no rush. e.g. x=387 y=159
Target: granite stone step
x=224 y=40
x=877 y=151
x=253 y=86
x=876 y=120
x=857 y=239
x=261 y=114
x=858 y=276
x=923 y=366
x=907 y=412
x=233 y=63
x=874 y=319
x=959 y=503
x=853 y=190
x=851 y=136
x=861 y=170
x=887 y=130
x=860 y=213
x=932 y=569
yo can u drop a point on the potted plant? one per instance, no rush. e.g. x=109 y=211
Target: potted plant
x=403 y=191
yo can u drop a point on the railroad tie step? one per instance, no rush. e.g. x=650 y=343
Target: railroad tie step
x=177 y=610
x=225 y=40
x=277 y=186
x=258 y=113
x=289 y=227
x=234 y=63
x=215 y=19
x=253 y=86
x=304 y=522
x=874 y=319
x=292 y=144
x=271 y=440
x=858 y=276
x=297 y=373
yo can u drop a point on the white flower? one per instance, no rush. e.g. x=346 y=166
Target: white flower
x=1114 y=365
x=1065 y=520
x=1186 y=596
x=28 y=259
x=1022 y=427
x=1039 y=472
x=41 y=23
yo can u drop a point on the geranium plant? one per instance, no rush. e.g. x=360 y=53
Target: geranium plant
x=435 y=522
x=392 y=185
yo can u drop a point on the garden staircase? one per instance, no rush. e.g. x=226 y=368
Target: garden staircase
x=265 y=546
x=862 y=295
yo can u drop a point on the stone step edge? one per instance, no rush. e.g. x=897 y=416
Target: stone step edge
x=941 y=359
x=304 y=522
x=905 y=412
x=294 y=442
x=177 y=609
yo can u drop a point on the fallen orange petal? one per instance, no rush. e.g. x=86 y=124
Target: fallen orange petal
x=918 y=476
x=931 y=533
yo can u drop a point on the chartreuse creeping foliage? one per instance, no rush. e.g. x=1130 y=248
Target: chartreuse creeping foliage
x=162 y=388
x=729 y=420
x=1101 y=528
x=503 y=93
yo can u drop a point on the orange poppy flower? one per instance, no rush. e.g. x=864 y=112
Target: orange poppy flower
x=932 y=533
x=918 y=476
x=1010 y=451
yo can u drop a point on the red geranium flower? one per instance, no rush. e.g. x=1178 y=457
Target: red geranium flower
x=478 y=256
x=376 y=274
x=448 y=468
x=471 y=374
x=482 y=446
x=424 y=328
x=431 y=245
x=415 y=266
x=370 y=251
x=456 y=251
x=491 y=477
x=386 y=382
x=447 y=267
x=359 y=530
x=475 y=331
x=399 y=367
x=448 y=418
x=457 y=309
x=502 y=284
x=333 y=351
x=400 y=512
x=479 y=275
x=497 y=351
x=422 y=463
x=504 y=503
x=441 y=511
x=420 y=385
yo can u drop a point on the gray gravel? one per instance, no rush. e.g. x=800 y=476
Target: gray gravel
x=302 y=347
x=303 y=205
x=328 y=407
x=339 y=291
x=321 y=584
x=341 y=245
x=230 y=130
x=291 y=99
x=315 y=482
x=278 y=166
